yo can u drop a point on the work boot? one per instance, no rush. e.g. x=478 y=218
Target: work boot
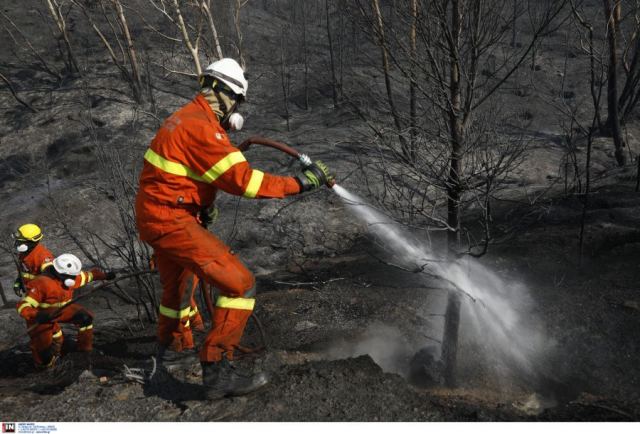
x=48 y=364
x=170 y=358
x=221 y=379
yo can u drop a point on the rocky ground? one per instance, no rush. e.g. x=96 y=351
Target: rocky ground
x=341 y=328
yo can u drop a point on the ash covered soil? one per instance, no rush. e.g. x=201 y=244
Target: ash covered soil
x=341 y=327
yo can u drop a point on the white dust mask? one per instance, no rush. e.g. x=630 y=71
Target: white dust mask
x=236 y=122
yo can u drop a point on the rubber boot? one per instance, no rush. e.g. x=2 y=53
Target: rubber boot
x=170 y=358
x=221 y=379
x=48 y=359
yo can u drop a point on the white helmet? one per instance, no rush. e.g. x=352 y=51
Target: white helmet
x=230 y=73
x=67 y=264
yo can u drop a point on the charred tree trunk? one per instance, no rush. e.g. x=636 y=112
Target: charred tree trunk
x=236 y=21
x=413 y=118
x=454 y=191
x=513 y=23
x=379 y=28
x=334 y=83
x=206 y=9
x=305 y=52
x=3 y=295
x=131 y=51
x=631 y=91
x=192 y=47
x=59 y=19
x=450 y=338
x=587 y=191
x=284 y=74
x=613 y=122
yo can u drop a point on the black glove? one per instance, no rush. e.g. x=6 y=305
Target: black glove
x=18 y=287
x=43 y=317
x=208 y=216
x=314 y=176
x=109 y=275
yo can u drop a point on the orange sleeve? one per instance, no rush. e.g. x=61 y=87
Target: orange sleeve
x=224 y=166
x=83 y=278
x=28 y=306
x=243 y=180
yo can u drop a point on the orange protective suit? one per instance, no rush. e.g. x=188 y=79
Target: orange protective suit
x=37 y=260
x=34 y=262
x=48 y=293
x=190 y=158
x=195 y=318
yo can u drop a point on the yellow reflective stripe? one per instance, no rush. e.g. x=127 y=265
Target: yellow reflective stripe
x=28 y=276
x=57 y=335
x=254 y=184
x=187 y=324
x=223 y=165
x=89 y=277
x=84 y=329
x=235 y=303
x=47 y=305
x=45 y=265
x=28 y=302
x=83 y=278
x=175 y=314
x=31 y=301
x=194 y=311
x=170 y=166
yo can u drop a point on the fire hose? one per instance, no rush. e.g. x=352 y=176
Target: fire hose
x=304 y=159
x=56 y=313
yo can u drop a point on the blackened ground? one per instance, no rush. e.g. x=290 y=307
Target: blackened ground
x=342 y=328
x=331 y=332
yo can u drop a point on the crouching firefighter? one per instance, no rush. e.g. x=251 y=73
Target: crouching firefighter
x=46 y=294
x=188 y=161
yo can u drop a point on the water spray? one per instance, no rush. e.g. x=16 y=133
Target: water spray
x=497 y=319
x=498 y=314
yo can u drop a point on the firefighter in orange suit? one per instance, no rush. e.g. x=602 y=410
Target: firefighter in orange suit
x=33 y=256
x=188 y=161
x=48 y=292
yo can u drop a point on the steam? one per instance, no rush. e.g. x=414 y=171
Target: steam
x=386 y=345
x=497 y=319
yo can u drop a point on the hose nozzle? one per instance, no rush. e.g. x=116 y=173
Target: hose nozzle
x=305 y=160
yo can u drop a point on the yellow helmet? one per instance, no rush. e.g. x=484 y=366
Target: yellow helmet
x=29 y=232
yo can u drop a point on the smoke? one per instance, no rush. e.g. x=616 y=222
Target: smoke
x=498 y=325
x=386 y=345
